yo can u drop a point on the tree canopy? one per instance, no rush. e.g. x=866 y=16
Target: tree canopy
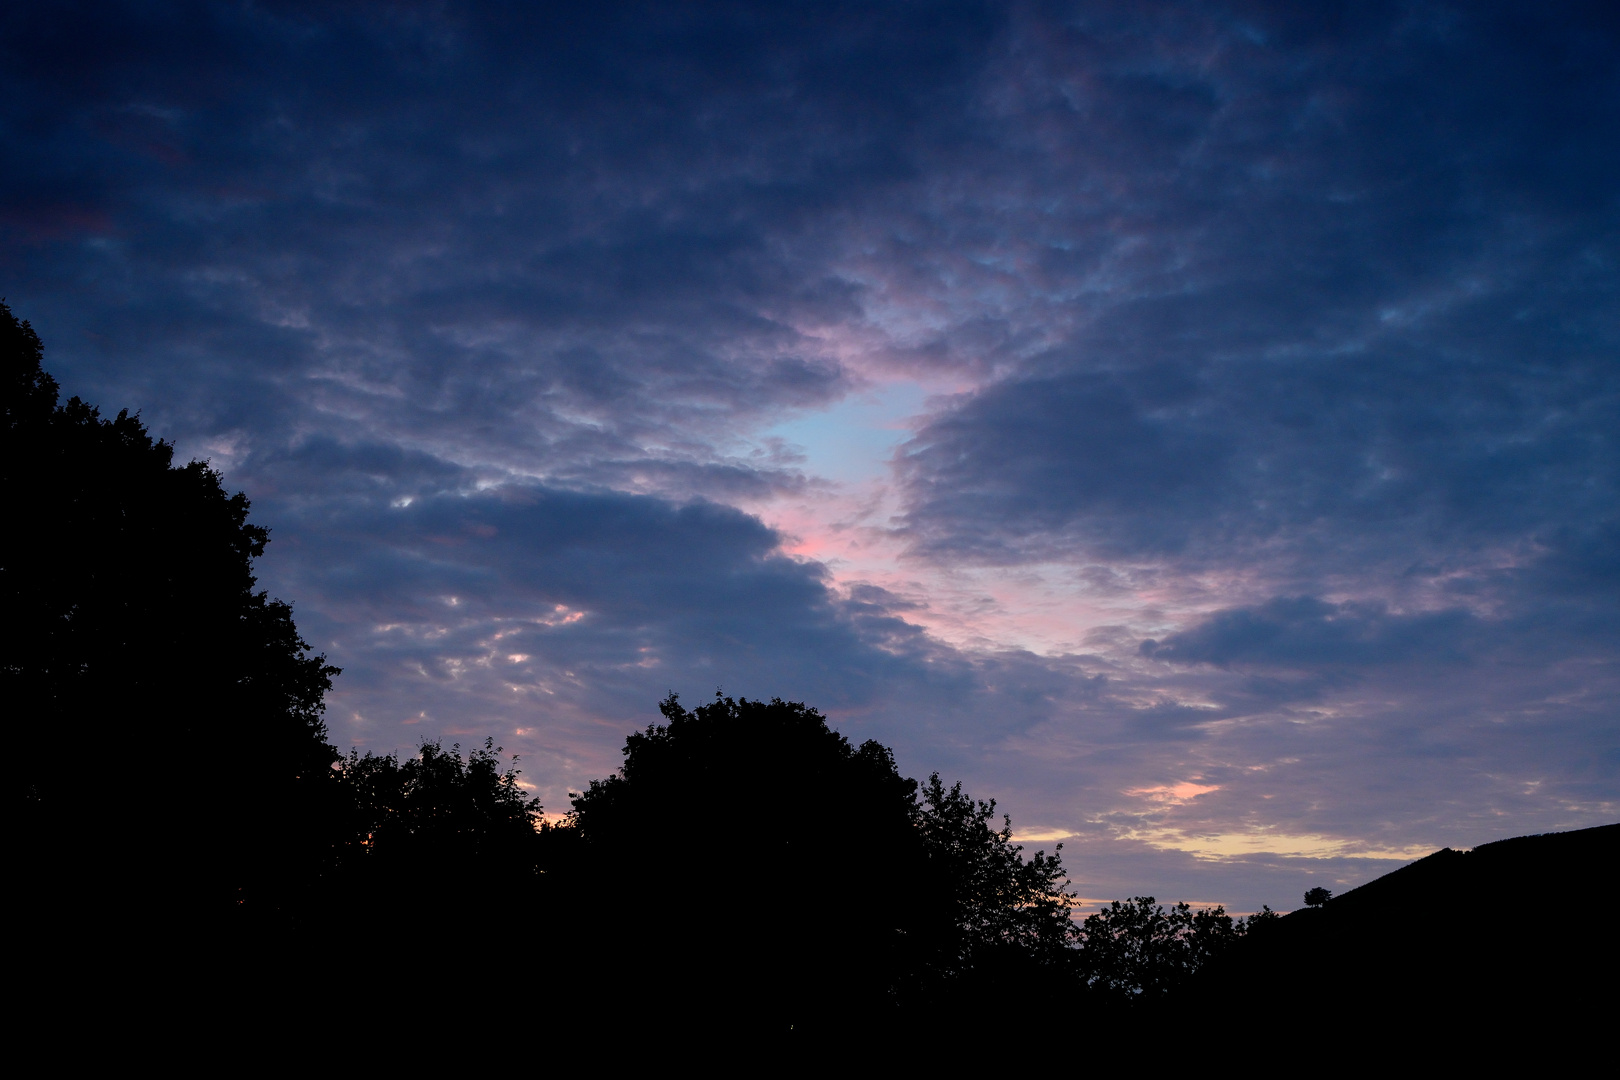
x=770 y=858
x=989 y=904
x=1137 y=951
x=751 y=822
x=435 y=838
x=135 y=629
x=437 y=807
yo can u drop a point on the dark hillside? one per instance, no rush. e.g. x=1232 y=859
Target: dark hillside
x=1511 y=944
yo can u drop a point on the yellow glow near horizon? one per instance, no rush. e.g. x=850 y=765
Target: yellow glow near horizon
x=1215 y=846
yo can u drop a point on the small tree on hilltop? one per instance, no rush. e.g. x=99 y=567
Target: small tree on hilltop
x=1317 y=897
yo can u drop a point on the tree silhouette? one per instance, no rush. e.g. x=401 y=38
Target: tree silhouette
x=1318 y=896
x=438 y=809
x=991 y=896
x=1137 y=951
x=436 y=839
x=770 y=859
x=135 y=632
x=800 y=882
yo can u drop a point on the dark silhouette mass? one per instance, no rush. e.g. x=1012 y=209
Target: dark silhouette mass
x=770 y=857
x=435 y=839
x=1135 y=952
x=793 y=882
x=133 y=625
x=1505 y=947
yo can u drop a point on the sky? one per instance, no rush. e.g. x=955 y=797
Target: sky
x=1193 y=425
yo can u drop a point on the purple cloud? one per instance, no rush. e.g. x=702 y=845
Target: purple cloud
x=1278 y=337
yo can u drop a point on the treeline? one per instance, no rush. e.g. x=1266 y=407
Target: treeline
x=777 y=875
x=747 y=870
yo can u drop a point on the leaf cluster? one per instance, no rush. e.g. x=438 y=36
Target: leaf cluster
x=1138 y=951
x=439 y=806
x=134 y=621
x=437 y=838
x=981 y=883
x=754 y=822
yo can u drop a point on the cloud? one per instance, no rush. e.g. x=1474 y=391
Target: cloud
x=424 y=583
x=1314 y=300
x=1279 y=336
x=1306 y=633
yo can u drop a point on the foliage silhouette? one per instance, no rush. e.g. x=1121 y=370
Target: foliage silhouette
x=1137 y=951
x=436 y=839
x=134 y=626
x=996 y=898
x=1317 y=897
x=803 y=883
x=769 y=854
x=437 y=807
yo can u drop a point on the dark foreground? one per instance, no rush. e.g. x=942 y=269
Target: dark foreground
x=1506 y=949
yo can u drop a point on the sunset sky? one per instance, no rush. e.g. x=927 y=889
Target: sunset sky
x=1193 y=425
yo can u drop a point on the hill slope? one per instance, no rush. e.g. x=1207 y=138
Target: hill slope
x=1509 y=944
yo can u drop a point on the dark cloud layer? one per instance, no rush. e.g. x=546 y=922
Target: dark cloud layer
x=1294 y=326
x=1367 y=312
x=567 y=230
x=1303 y=632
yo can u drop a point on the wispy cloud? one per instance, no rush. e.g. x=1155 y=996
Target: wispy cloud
x=1191 y=424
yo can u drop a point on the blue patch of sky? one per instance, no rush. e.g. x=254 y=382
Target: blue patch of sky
x=853 y=441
